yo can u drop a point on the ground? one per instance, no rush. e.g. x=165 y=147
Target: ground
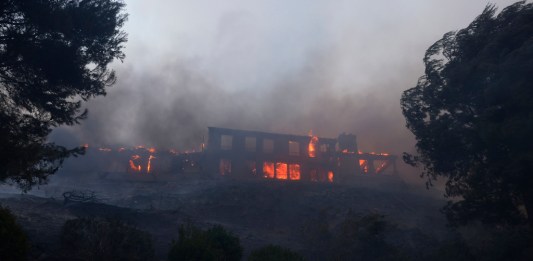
x=260 y=212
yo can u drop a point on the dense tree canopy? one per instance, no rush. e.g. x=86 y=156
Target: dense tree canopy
x=472 y=115
x=53 y=55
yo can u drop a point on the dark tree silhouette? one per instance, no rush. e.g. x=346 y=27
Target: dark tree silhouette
x=53 y=56
x=215 y=243
x=472 y=115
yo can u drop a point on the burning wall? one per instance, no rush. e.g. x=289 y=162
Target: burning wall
x=238 y=153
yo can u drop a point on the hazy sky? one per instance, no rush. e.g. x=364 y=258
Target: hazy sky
x=280 y=66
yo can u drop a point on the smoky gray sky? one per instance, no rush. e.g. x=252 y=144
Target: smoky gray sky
x=279 y=66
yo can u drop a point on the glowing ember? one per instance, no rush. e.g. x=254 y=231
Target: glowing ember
x=268 y=170
x=364 y=165
x=294 y=171
x=381 y=167
x=281 y=170
x=149 y=167
x=330 y=176
x=345 y=151
x=151 y=150
x=134 y=167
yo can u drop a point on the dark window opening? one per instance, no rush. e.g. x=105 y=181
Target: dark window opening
x=250 y=143
x=226 y=142
x=268 y=146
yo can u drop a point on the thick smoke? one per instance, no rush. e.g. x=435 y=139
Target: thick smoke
x=330 y=68
x=173 y=111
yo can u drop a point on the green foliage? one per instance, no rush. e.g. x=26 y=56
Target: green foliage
x=213 y=244
x=53 y=56
x=13 y=241
x=471 y=114
x=272 y=252
x=93 y=239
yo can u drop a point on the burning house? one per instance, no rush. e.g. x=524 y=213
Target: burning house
x=254 y=154
x=243 y=155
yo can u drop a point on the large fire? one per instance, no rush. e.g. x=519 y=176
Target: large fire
x=294 y=171
x=281 y=170
x=142 y=159
x=268 y=170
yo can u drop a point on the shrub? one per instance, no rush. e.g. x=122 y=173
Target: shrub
x=13 y=241
x=272 y=252
x=213 y=244
x=94 y=239
x=364 y=238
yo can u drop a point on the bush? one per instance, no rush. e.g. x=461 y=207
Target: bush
x=213 y=244
x=94 y=239
x=364 y=238
x=272 y=252
x=13 y=241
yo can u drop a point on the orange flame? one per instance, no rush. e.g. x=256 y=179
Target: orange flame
x=149 y=167
x=268 y=170
x=364 y=165
x=134 y=167
x=151 y=150
x=281 y=170
x=132 y=164
x=330 y=176
x=312 y=146
x=381 y=167
x=294 y=171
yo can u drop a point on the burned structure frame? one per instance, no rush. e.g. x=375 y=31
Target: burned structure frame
x=254 y=154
